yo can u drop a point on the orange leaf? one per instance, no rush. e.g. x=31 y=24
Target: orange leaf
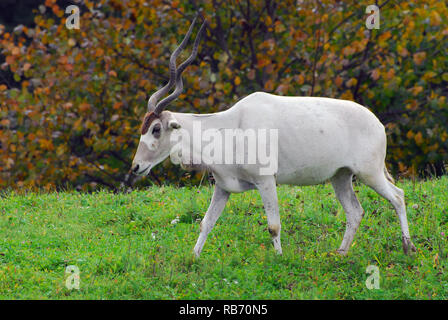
x=418 y=138
x=375 y=74
x=15 y=51
x=263 y=62
x=338 y=81
x=416 y=90
x=99 y=52
x=63 y=60
x=84 y=107
x=10 y=60
x=419 y=57
x=251 y=74
x=269 y=85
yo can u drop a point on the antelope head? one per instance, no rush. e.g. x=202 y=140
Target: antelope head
x=157 y=125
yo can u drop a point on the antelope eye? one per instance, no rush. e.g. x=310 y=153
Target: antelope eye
x=156 y=131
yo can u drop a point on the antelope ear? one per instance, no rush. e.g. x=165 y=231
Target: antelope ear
x=173 y=124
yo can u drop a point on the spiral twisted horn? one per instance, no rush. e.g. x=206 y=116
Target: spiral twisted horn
x=161 y=92
x=179 y=83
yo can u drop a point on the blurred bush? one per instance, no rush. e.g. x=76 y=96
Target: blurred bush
x=71 y=116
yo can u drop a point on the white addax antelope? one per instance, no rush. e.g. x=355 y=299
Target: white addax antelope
x=318 y=139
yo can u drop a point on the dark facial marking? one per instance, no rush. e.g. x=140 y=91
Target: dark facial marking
x=149 y=118
x=156 y=130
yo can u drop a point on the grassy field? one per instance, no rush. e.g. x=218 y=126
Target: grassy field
x=126 y=247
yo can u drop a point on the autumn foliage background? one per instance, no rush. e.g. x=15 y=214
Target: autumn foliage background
x=71 y=101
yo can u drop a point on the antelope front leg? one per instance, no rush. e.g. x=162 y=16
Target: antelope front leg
x=268 y=191
x=219 y=200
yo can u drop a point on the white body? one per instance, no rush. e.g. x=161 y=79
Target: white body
x=319 y=139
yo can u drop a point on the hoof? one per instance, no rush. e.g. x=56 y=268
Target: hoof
x=342 y=252
x=277 y=245
x=408 y=246
x=332 y=253
x=196 y=254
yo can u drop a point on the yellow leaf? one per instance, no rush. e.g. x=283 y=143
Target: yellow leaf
x=401 y=167
x=237 y=81
x=418 y=138
x=347 y=95
x=279 y=27
x=269 y=85
x=351 y=82
x=434 y=147
x=444 y=136
x=429 y=75
x=434 y=18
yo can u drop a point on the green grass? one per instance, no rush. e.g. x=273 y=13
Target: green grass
x=126 y=247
